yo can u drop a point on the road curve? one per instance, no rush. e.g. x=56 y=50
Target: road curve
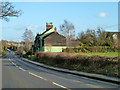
x=18 y=75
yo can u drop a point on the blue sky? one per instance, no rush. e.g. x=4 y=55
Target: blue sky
x=83 y=15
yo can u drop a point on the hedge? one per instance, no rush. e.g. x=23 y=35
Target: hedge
x=93 y=64
x=91 y=49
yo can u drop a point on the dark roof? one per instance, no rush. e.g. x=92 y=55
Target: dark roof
x=55 y=39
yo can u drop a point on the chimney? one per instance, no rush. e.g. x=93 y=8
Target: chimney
x=55 y=29
x=49 y=25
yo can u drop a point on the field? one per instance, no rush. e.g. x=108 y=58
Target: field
x=114 y=54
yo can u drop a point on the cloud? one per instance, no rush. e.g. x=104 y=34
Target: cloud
x=14 y=27
x=34 y=27
x=102 y=14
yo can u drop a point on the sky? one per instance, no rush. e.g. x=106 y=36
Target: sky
x=83 y=15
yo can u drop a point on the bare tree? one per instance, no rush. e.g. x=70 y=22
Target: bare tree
x=28 y=39
x=68 y=31
x=8 y=10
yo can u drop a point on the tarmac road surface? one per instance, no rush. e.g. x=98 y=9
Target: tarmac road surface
x=18 y=75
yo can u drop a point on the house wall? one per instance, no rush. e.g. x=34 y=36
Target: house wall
x=54 y=48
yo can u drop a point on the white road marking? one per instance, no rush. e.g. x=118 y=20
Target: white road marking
x=59 y=85
x=44 y=79
x=16 y=66
x=37 y=76
x=54 y=82
x=13 y=63
x=9 y=59
x=21 y=69
x=90 y=85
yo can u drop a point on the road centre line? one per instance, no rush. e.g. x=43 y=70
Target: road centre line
x=21 y=69
x=36 y=75
x=9 y=59
x=59 y=85
x=46 y=79
x=39 y=76
x=86 y=84
x=17 y=66
x=55 y=75
x=13 y=63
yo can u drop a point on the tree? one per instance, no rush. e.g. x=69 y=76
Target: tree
x=104 y=38
x=96 y=38
x=8 y=10
x=28 y=39
x=68 y=31
x=88 y=38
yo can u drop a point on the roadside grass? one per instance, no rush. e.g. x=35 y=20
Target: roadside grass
x=113 y=54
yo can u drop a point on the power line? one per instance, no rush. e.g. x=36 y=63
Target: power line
x=117 y=25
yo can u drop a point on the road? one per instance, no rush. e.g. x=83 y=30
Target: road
x=24 y=75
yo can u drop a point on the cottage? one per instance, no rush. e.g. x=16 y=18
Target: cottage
x=49 y=41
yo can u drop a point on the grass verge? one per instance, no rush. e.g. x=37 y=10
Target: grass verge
x=114 y=54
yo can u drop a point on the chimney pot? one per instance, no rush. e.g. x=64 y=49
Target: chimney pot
x=49 y=26
x=55 y=29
